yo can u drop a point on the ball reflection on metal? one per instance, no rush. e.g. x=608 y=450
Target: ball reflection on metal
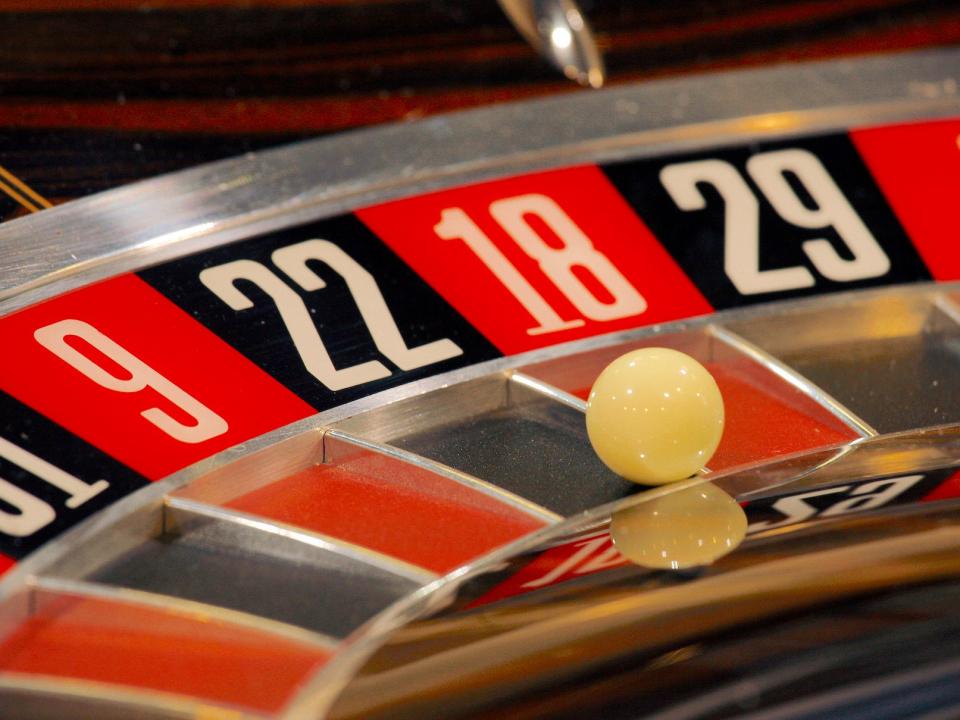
x=690 y=527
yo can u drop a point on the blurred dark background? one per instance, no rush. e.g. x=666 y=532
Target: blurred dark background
x=97 y=93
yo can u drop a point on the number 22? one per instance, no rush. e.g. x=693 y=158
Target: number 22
x=292 y=260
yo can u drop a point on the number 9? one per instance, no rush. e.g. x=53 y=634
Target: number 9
x=54 y=338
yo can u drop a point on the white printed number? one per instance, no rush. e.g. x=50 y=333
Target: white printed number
x=742 y=219
x=512 y=214
x=292 y=260
x=207 y=424
x=33 y=513
x=868 y=496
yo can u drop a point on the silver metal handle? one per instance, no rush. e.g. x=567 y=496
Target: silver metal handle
x=559 y=32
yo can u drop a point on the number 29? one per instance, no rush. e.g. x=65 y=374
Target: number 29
x=741 y=260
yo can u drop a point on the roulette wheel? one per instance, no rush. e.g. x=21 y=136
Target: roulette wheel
x=300 y=433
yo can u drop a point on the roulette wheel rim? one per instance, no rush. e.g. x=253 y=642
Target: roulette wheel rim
x=318 y=178
x=159 y=220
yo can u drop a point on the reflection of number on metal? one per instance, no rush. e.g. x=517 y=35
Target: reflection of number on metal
x=741 y=233
x=512 y=214
x=33 y=514
x=292 y=260
x=595 y=552
x=868 y=496
x=54 y=337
